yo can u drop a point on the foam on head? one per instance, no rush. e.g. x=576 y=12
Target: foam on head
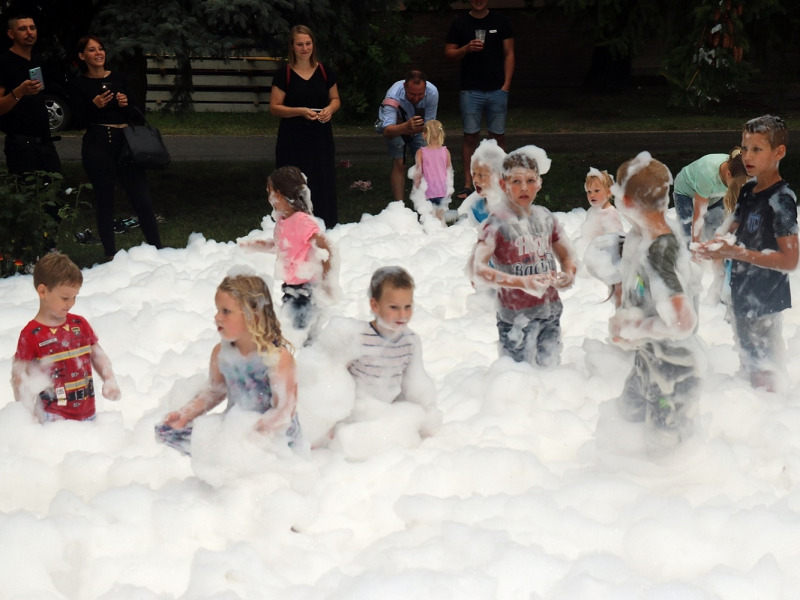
x=603 y=177
x=528 y=157
x=291 y=182
x=773 y=127
x=489 y=154
x=645 y=180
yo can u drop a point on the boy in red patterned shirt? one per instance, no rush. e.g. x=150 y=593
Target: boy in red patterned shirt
x=519 y=251
x=62 y=347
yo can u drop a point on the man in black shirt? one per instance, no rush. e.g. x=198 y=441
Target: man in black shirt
x=482 y=41
x=23 y=114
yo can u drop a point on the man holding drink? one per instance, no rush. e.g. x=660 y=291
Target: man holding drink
x=482 y=41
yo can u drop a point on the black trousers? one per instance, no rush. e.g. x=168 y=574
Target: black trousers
x=100 y=151
x=25 y=154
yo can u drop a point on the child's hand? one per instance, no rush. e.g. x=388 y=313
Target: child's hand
x=564 y=280
x=537 y=285
x=623 y=325
x=268 y=244
x=176 y=420
x=111 y=389
x=270 y=423
x=719 y=247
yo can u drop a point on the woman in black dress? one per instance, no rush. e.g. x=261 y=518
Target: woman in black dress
x=100 y=103
x=305 y=96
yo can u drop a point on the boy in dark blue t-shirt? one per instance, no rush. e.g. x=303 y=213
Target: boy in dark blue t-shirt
x=764 y=252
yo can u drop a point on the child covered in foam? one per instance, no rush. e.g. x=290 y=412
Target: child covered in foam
x=487 y=170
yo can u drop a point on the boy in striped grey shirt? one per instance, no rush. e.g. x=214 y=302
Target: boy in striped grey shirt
x=390 y=366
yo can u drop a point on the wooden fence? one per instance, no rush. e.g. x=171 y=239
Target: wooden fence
x=237 y=85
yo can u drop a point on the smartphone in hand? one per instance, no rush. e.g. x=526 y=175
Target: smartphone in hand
x=36 y=75
x=419 y=112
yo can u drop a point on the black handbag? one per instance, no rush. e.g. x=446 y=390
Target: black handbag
x=144 y=146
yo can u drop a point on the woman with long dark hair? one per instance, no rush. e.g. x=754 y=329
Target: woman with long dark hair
x=101 y=103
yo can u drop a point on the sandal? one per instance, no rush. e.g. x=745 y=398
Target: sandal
x=465 y=191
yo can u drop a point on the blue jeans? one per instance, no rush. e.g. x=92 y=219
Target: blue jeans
x=475 y=104
x=536 y=341
x=298 y=304
x=715 y=214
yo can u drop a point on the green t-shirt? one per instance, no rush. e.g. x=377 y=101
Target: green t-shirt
x=702 y=178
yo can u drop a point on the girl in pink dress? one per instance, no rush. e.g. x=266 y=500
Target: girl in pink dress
x=433 y=172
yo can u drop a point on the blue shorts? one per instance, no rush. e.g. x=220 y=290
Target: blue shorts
x=476 y=103
x=397 y=144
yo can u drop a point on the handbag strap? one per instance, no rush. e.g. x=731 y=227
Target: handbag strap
x=134 y=109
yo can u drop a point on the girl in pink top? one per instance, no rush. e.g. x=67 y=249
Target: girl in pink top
x=433 y=166
x=303 y=251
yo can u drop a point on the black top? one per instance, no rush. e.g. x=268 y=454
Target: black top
x=484 y=70
x=85 y=111
x=29 y=115
x=763 y=217
x=308 y=145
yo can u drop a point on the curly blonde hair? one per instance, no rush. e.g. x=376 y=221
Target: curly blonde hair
x=252 y=294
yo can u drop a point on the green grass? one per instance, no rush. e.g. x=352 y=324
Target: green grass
x=642 y=108
x=224 y=200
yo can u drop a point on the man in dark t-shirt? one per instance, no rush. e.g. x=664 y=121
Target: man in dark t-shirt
x=23 y=114
x=482 y=41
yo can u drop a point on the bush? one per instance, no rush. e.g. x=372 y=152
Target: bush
x=32 y=209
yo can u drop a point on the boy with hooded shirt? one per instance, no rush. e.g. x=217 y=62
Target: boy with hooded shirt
x=656 y=315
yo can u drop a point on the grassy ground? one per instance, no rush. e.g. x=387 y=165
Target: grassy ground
x=634 y=111
x=227 y=200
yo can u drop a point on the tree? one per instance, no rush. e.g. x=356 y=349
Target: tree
x=716 y=45
x=362 y=38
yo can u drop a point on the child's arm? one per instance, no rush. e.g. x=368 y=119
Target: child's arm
x=785 y=258
x=698 y=215
x=205 y=400
x=321 y=242
x=283 y=381
x=418 y=169
x=418 y=387
x=566 y=258
x=267 y=245
x=19 y=369
x=676 y=320
x=102 y=364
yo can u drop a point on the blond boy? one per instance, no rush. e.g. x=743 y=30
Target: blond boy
x=656 y=315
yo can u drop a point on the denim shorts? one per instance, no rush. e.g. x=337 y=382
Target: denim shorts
x=760 y=342
x=476 y=103
x=715 y=214
x=397 y=144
